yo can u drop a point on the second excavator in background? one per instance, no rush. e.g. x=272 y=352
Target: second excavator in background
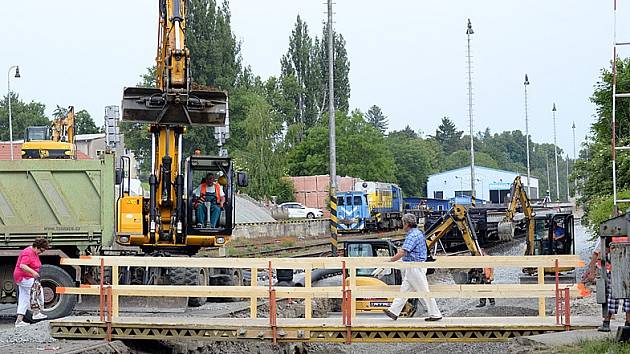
x=56 y=141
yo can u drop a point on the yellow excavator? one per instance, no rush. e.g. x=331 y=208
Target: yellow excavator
x=548 y=233
x=168 y=221
x=457 y=218
x=56 y=141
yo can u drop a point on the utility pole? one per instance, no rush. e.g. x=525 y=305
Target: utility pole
x=568 y=195
x=470 y=31
x=332 y=135
x=548 y=179
x=574 y=159
x=555 y=149
x=525 y=84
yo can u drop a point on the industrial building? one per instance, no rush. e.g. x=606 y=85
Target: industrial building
x=492 y=185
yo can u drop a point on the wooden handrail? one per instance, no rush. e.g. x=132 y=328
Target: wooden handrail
x=327 y=262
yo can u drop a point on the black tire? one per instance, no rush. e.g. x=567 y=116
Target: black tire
x=310 y=216
x=284 y=275
x=56 y=305
x=189 y=276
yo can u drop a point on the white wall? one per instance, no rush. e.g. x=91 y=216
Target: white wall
x=459 y=179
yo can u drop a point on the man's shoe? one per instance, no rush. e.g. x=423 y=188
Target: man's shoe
x=431 y=319
x=20 y=324
x=481 y=305
x=605 y=327
x=390 y=314
x=39 y=316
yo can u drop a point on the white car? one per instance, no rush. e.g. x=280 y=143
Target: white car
x=297 y=210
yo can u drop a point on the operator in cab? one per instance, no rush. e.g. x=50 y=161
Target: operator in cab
x=559 y=237
x=210 y=195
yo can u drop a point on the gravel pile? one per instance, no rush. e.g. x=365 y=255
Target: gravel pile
x=35 y=333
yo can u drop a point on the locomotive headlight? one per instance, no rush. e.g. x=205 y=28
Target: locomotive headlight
x=124 y=239
x=220 y=240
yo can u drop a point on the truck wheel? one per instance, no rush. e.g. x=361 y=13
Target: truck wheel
x=189 y=276
x=56 y=305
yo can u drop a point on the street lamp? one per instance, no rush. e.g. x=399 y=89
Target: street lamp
x=525 y=84
x=17 y=75
x=461 y=185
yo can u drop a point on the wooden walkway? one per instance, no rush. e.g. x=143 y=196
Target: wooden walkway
x=363 y=329
x=352 y=326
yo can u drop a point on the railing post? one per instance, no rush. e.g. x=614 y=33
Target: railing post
x=108 y=333
x=272 y=307
x=558 y=295
x=114 y=283
x=567 y=308
x=308 y=301
x=541 y=300
x=101 y=291
x=253 y=301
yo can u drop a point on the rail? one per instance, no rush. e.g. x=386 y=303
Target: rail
x=348 y=293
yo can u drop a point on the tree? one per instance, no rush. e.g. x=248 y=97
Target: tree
x=461 y=158
x=85 y=124
x=361 y=151
x=215 y=54
x=23 y=115
x=376 y=118
x=304 y=79
x=448 y=136
x=413 y=159
x=263 y=156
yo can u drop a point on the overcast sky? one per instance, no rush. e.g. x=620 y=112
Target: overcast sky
x=408 y=57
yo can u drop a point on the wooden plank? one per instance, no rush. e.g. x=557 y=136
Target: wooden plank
x=308 y=301
x=253 y=301
x=329 y=262
x=114 y=296
x=437 y=291
x=541 y=300
x=353 y=289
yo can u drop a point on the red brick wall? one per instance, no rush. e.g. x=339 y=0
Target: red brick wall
x=312 y=191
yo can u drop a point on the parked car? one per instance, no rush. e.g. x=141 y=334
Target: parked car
x=298 y=210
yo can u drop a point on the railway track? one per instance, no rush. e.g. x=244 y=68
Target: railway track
x=315 y=248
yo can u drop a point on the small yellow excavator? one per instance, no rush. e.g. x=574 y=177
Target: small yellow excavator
x=456 y=219
x=56 y=141
x=547 y=234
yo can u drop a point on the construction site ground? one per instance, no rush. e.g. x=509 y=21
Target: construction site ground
x=36 y=338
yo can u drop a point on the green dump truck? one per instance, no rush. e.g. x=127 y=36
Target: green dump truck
x=69 y=202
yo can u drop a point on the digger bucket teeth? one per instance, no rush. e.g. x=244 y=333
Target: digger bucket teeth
x=151 y=105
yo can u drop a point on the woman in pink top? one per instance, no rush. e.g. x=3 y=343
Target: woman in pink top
x=25 y=273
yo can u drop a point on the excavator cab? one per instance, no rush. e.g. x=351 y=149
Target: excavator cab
x=554 y=234
x=210 y=209
x=38 y=144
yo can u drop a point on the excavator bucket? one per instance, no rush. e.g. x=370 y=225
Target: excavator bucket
x=152 y=105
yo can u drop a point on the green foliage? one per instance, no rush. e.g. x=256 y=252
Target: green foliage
x=361 y=151
x=461 y=158
x=215 y=54
x=593 y=170
x=22 y=115
x=263 y=155
x=377 y=119
x=84 y=124
x=304 y=80
x=413 y=159
x=600 y=209
x=448 y=136
x=596 y=346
